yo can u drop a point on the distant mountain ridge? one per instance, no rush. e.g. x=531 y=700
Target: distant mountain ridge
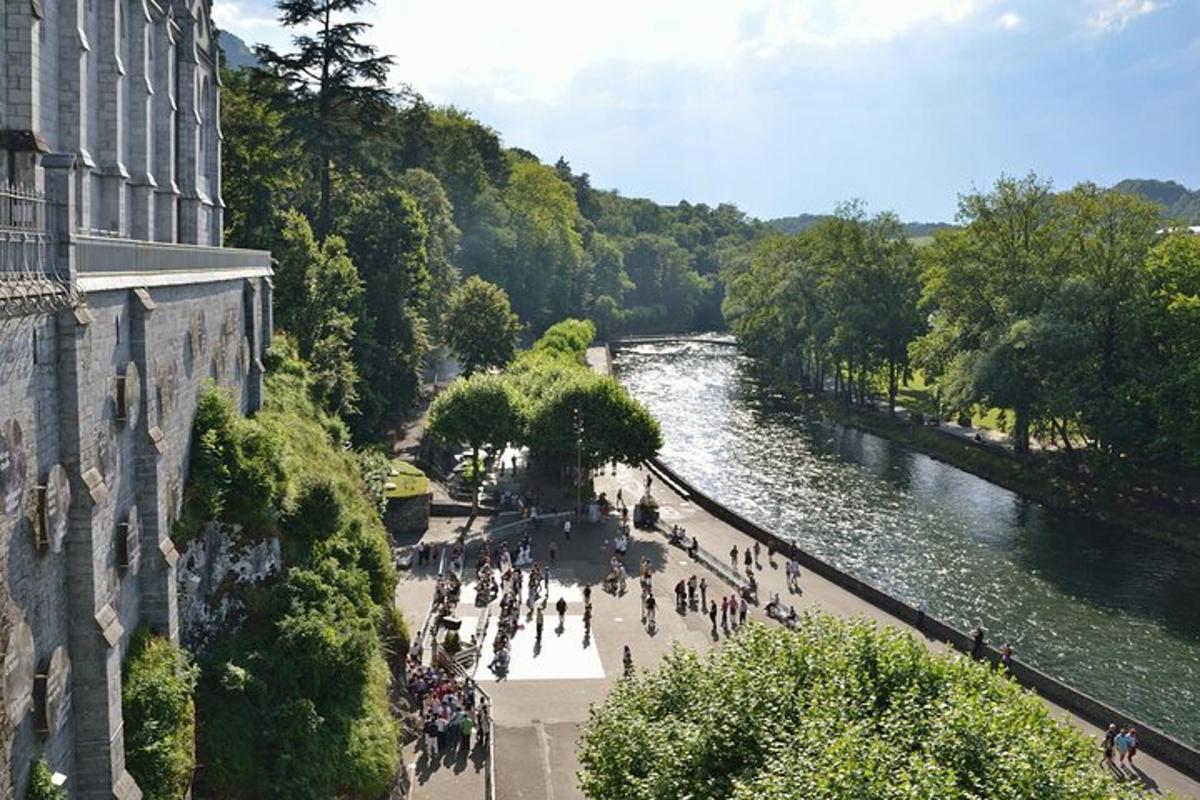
x=237 y=53
x=792 y=225
x=1178 y=202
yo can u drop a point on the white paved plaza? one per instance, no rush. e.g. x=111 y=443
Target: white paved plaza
x=562 y=655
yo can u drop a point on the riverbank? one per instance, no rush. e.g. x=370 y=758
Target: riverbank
x=1027 y=476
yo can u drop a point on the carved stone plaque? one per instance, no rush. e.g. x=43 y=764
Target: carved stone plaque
x=18 y=671
x=12 y=466
x=129 y=398
x=56 y=504
x=58 y=691
x=106 y=451
x=130 y=542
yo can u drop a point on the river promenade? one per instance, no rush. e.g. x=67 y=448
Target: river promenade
x=540 y=708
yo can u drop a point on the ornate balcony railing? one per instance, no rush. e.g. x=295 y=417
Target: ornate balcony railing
x=29 y=281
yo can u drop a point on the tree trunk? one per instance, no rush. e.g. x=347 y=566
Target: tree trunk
x=474 y=479
x=1021 y=429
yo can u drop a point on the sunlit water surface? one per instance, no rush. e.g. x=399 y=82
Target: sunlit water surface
x=1113 y=614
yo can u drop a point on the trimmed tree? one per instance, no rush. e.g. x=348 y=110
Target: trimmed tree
x=480 y=411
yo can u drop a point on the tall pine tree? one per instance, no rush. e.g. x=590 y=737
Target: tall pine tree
x=336 y=86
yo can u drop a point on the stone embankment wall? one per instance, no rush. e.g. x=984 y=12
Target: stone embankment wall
x=1162 y=746
x=97 y=403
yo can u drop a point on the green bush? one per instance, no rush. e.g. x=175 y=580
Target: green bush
x=40 y=785
x=838 y=710
x=160 y=716
x=295 y=702
x=452 y=643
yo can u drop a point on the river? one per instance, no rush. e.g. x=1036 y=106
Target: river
x=1114 y=614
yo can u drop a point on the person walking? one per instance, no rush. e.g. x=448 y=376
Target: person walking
x=712 y=614
x=1110 y=744
x=724 y=613
x=748 y=560
x=561 y=607
x=538 y=625
x=742 y=611
x=587 y=593
x=483 y=722
x=587 y=617
x=1133 y=745
x=757 y=551
x=691 y=591
x=567 y=528
x=703 y=592
x=1122 y=742
x=680 y=595
x=651 y=605
x=627 y=660
x=733 y=553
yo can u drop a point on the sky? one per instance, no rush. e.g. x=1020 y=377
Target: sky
x=793 y=106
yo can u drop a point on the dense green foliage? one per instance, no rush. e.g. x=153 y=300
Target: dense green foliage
x=481 y=328
x=1070 y=310
x=802 y=222
x=160 y=716
x=41 y=785
x=837 y=303
x=294 y=701
x=836 y=710
x=410 y=196
x=551 y=401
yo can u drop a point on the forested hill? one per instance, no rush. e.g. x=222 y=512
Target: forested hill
x=237 y=53
x=1177 y=201
x=800 y=222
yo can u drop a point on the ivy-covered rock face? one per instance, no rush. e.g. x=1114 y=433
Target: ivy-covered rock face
x=838 y=710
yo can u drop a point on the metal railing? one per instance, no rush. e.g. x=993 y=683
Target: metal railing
x=29 y=282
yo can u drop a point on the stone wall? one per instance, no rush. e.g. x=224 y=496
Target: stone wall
x=61 y=382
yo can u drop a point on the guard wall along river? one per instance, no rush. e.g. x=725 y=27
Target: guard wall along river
x=1109 y=612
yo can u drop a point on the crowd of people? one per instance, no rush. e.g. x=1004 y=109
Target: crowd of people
x=451 y=710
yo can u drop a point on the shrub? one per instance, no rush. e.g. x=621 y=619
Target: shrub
x=838 y=710
x=41 y=787
x=295 y=702
x=160 y=716
x=452 y=643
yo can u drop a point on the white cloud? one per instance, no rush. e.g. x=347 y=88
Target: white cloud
x=535 y=48
x=1113 y=15
x=233 y=16
x=1008 y=21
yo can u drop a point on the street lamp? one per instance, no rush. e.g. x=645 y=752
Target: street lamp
x=578 y=427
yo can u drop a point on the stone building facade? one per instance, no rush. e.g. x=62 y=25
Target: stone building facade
x=118 y=305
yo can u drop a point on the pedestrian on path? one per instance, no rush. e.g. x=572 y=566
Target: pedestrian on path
x=1122 y=742
x=567 y=528
x=651 y=605
x=757 y=551
x=742 y=611
x=587 y=617
x=483 y=721
x=712 y=614
x=977 y=641
x=733 y=610
x=431 y=736
x=703 y=591
x=627 y=660
x=733 y=553
x=464 y=727
x=1133 y=745
x=539 y=624
x=691 y=591
x=1110 y=745
x=561 y=607
x=748 y=560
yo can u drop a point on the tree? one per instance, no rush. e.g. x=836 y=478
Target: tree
x=334 y=85
x=389 y=246
x=318 y=300
x=442 y=243
x=838 y=710
x=160 y=716
x=481 y=328
x=259 y=163
x=480 y=411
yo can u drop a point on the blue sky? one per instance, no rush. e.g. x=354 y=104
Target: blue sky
x=791 y=106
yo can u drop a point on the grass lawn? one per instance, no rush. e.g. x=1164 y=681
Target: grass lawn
x=918 y=396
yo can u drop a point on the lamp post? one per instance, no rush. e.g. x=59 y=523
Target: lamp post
x=578 y=426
